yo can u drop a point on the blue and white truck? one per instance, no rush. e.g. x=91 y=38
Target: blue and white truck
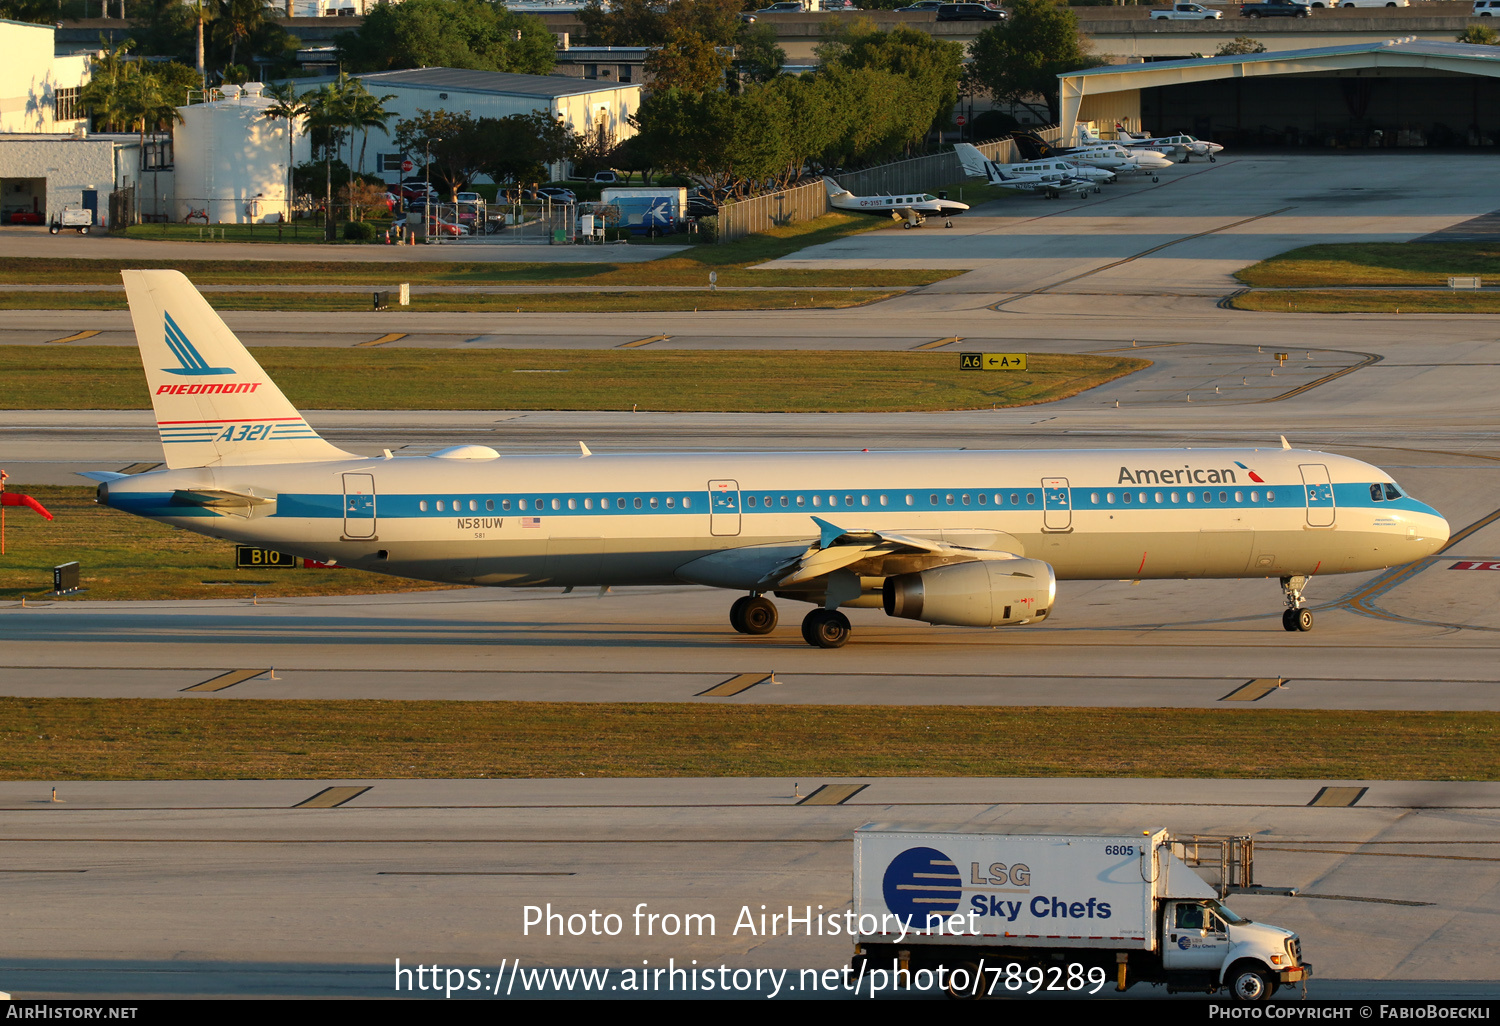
x=1006 y=914
x=647 y=209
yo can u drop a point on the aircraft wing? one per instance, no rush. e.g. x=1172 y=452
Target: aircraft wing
x=838 y=549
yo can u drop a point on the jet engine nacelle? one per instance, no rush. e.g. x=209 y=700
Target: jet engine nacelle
x=983 y=593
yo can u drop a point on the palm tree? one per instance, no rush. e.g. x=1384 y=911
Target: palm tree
x=291 y=107
x=103 y=96
x=329 y=116
x=239 y=19
x=367 y=111
x=147 y=103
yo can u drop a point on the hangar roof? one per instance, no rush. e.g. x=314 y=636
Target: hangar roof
x=1405 y=52
x=463 y=80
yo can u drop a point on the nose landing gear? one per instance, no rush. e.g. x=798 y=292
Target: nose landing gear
x=1297 y=617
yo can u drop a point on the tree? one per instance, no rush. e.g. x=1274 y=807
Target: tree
x=367 y=111
x=1240 y=45
x=757 y=57
x=687 y=61
x=477 y=34
x=38 y=12
x=519 y=147
x=165 y=27
x=290 y=106
x=451 y=141
x=933 y=66
x=1018 y=60
x=1480 y=35
x=649 y=23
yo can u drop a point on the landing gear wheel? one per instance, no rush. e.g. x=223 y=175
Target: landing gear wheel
x=825 y=628
x=1302 y=620
x=907 y=225
x=758 y=615
x=1289 y=620
x=1296 y=617
x=1156 y=178
x=1213 y=160
x=737 y=615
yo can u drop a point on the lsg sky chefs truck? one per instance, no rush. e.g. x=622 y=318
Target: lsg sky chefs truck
x=1013 y=914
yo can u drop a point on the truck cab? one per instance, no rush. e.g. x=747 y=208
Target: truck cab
x=1203 y=938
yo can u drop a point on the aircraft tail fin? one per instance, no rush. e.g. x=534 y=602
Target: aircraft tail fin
x=1032 y=146
x=1085 y=137
x=973 y=162
x=214 y=404
x=834 y=188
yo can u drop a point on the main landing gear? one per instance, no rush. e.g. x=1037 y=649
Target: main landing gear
x=1297 y=617
x=822 y=628
x=825 y=628
x=753 y=614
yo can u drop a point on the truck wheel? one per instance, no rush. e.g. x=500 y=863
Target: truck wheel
x=1255 y=14
x=969 y=986
x=1249 y=984
x=84 y=230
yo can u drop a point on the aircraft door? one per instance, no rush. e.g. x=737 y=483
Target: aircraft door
x=1057 y=506
x=724 y=508
x=359 y=506
x=1320 y=506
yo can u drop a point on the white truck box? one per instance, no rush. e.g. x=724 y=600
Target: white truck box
x=1121 y=902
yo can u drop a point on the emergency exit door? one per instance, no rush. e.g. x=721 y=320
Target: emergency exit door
x=724 y=508
x=359 y=506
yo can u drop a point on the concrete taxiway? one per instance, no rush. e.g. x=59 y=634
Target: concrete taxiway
x=243 y=888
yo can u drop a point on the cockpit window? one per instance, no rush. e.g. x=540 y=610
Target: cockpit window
x=1376 y=493
x=1392 y=492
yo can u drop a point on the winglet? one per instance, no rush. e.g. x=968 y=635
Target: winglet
x=1284 y=443
x=830 y=533
x=584 y=450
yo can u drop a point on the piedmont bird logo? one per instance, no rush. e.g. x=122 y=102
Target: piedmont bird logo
x=1253 y=475
x=187 y=354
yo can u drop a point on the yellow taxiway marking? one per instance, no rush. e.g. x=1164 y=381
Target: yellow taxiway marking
x=226 y=680
x=940 y=342
x=331 y=797
x=833 y=794
x=395 y=336
x=1254 y=690
x=644 y=342
x=1338 y=797
x=734 y=685
x=75 y=337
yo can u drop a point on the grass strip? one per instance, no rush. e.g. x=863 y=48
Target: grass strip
x=1368 y=301
x=152 y=739
x=130 y=558
x=542 y=302
x=1375 y=263
x=760 y=381
x=734 y=263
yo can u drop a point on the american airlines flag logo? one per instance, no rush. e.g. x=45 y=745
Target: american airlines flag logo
x=531 y=521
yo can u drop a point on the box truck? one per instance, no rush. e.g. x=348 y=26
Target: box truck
x=1016 y=913
x=648 y=210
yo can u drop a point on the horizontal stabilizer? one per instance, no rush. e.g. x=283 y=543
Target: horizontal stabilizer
x=101 y=475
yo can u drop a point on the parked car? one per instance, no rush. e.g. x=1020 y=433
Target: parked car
x=437 y=226
x=1486 y=8
x=1185 y=12
x=468 y=197
x=393 y=202
x=697 y=206
x=557 y=194
x=921 y=5
x=608 y=178
x=785 y=7
x=970 y=12
x=415 y=191
x=1275 y=9
x=1362 y=3
x=25 y=217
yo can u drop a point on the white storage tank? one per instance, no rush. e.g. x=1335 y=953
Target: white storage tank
x=231 y=160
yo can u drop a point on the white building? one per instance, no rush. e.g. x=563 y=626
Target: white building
x=46 y=160
x=231 y=160
x=587 y=106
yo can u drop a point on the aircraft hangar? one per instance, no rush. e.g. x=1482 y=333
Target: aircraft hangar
x=1400 y=92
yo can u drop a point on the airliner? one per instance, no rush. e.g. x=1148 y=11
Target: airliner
x=912 y=207
x=1052 y=178
x=970 y=538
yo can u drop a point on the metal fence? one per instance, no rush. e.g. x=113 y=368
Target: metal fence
x=919 y=174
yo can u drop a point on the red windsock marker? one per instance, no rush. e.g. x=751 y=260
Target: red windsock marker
x=17 y=499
